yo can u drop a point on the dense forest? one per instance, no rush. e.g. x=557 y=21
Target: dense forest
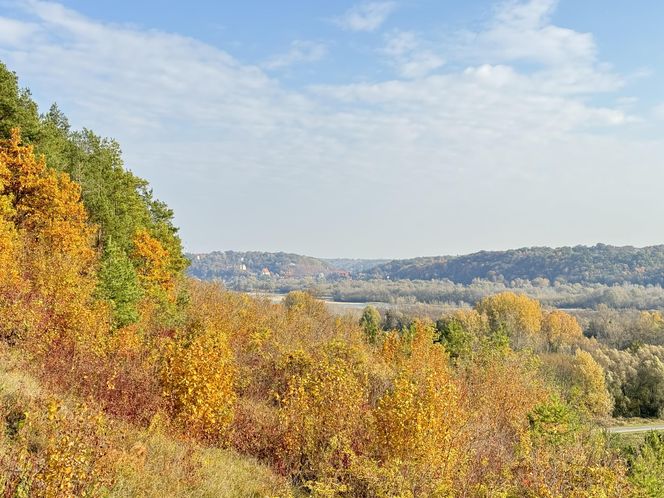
x=599 y=264
x=121 y=377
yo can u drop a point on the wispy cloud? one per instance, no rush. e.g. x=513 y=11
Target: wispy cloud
x=523 y=31
x=299 y=52
x=208 y=129
x=14 y=32
x=411 y=59
x=366 y=16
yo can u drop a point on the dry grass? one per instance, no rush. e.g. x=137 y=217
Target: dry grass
x=164 y=466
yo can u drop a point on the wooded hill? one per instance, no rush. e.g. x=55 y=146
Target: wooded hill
x=599 y=264
x=229 y=264
x=603 y=264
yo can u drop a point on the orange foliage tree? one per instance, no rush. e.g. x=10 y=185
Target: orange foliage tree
x=57 y=262
x=153 y=264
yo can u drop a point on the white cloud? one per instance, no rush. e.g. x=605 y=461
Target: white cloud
x=15 y=33
x=522 y=31
x=658 y=111
x=366 y=16
x=300 y=52
x=409 y=57
x=247 y=163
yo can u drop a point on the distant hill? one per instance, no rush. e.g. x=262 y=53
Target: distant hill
x=601 y=264
x=229 y=264
x=580 y=264
x=355 y=265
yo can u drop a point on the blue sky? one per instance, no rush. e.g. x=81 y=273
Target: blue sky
x=388 y=128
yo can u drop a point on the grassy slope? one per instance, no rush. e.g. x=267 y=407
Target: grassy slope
x=153 y=463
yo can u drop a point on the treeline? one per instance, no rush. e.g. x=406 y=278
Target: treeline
x=628 y=344
x=125 y=219
x=355 y=266
x=448 y=293
x=499 y=400
x=599 y=264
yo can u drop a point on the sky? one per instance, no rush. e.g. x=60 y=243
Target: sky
x=375 y=129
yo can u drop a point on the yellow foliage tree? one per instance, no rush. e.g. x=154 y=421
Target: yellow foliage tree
x=198 y=377
x=9 y=274
x=517 y=315
x=473 y=322
x=153 y=264
x=589 y=391
x=44 y=218
x=582 y=381
x=7 y=229
x=321 y=409
x=418 y=436
x=560 y=328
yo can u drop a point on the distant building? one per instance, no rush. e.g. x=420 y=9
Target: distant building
x=339 y=275
x=265 y=272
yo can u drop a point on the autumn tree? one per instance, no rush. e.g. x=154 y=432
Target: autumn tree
x=321 y=409
x=152 y=263
x=519 y=316
x=370 y=323
x=57 y=258
x=418 y=422
x=9 y=252
x=582 y=381
x=199 y=376
x=560 y=328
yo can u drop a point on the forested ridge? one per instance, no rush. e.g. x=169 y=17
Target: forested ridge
x=120 y=376
x=598 y=264
x=227 y=265
x=603 y=264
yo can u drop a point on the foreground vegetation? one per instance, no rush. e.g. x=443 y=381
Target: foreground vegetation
x=121 y=377
x=62 y=446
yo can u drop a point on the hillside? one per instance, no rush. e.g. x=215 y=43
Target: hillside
x=601 y=263
x=229 y=264
x=355 y=265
